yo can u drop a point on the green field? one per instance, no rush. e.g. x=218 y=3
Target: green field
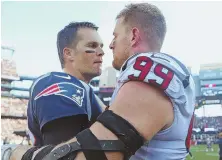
x=199 y=153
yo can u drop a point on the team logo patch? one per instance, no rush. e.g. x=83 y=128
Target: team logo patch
x=65 y=89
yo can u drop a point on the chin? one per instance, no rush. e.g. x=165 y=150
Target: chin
x=98 y=73
x=117 y=67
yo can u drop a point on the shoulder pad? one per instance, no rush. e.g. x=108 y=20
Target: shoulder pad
x=157 y=69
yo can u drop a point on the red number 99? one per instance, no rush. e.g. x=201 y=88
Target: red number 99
x=158 y=71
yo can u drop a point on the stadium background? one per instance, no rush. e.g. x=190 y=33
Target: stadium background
x=14 y=86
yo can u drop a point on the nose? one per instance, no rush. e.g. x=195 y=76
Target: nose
x=111 y=45
x=100 y=52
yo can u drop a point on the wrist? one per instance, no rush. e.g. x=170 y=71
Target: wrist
x=29 y=153
x=18 y=152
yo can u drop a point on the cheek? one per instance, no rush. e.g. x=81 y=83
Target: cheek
x=120 y=47
x=123 y=43
x=82 y=61
x=88 y=60
x=117 y=47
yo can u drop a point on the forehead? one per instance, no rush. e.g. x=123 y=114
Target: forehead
x=88 y=35
x=120 y=26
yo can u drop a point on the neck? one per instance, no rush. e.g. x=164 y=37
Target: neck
x=77 y=74
x=143 y=48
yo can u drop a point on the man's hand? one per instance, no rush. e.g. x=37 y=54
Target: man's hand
x=18 y=152
x=6 y=151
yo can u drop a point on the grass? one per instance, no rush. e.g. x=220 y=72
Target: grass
x=199 y=153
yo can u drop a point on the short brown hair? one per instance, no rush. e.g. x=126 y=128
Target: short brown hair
x=68 y=35
x=149 y=18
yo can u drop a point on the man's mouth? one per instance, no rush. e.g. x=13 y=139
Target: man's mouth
x=98 y=62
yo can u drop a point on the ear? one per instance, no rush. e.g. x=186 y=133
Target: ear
x=135 y=36
x=68 y=53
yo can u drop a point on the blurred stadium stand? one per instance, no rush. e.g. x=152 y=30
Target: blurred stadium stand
x=14 y=100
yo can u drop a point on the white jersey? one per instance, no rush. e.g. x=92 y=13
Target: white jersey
x=174 y=79
x=208 y=141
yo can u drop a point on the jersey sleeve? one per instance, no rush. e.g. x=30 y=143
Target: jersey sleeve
x=33 y=127
x=57 y=100
x=160 y=71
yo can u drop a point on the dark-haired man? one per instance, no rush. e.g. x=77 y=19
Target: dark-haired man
x=61 y=103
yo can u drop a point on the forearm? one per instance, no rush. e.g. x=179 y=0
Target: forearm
x=97 y=129
x=102 y=134
x=20 y=151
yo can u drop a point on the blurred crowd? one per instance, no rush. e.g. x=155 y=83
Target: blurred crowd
x=8 y=68
x=11 y=111
x=9 y=127
x=13 y=107
x=208 y=122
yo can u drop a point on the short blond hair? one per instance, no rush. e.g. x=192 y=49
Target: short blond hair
x=149 y=18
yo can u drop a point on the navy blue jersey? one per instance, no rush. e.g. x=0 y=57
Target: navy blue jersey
x=56 y=95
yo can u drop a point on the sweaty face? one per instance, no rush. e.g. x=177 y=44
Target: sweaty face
x=88 y=64
x=120 y=44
